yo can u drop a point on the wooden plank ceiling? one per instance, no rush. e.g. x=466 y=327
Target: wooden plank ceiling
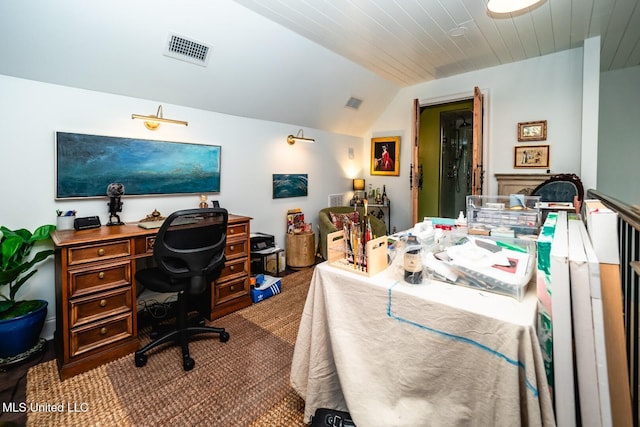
x=412 y=41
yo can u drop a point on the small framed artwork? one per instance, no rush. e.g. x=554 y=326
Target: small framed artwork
x=531 y=156
x=385 y=156
x=290 y=185
x=532 y=131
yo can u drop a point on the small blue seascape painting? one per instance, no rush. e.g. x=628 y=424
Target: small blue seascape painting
x=289 y=185
x=87 y=164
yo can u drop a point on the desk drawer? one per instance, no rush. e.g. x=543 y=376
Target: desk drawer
x=235 y=230
x=92 y=336
x=230 y=290
x=236 y=249
x=99 y=306
x=235 y=268
x=103 y=277
x=102 y=251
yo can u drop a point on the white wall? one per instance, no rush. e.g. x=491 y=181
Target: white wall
x=252 y=150
x=619 y=148
x=543 y=88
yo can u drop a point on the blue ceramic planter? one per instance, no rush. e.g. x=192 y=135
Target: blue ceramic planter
x=19 y=334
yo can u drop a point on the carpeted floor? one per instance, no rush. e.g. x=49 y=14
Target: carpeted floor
x=243 y=382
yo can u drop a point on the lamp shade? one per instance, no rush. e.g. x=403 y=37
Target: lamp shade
x=358 y=184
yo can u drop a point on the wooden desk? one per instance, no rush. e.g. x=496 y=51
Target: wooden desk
x=96 y=318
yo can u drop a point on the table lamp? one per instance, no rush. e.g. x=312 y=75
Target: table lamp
x=358 y=189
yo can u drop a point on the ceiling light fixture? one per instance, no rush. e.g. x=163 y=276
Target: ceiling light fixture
x=458 y=31
x=510 y=6
x=299 y=137
x=153 y=122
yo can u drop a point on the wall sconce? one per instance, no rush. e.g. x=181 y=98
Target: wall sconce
x=509 y=6
x=153 y=122
x=299 y=137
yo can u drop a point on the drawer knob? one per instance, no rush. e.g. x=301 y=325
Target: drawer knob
x=101 y=275
x=100 y=252
x=231 y=231
x=232 y=248
x=103 y=331
x=233 y=267
x=103 y=303
x=232 y=287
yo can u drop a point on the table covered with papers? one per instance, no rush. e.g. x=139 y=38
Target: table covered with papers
x=395 y=354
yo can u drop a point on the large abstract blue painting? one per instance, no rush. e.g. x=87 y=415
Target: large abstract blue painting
x=289 y=185
x=87 y=164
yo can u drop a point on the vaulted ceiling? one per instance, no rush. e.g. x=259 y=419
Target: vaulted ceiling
x=294 y=61
x=413 y=41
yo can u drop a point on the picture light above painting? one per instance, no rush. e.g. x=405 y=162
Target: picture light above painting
x=87 y=164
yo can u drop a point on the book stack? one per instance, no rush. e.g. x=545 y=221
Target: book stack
x=295 y=221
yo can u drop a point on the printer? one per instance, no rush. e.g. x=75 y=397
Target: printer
x=261 y=241
x=265 y=255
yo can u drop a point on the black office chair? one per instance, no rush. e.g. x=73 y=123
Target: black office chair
x=189 y=253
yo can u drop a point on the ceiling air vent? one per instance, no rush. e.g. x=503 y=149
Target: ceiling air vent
x=353 y=103
x=181 y=48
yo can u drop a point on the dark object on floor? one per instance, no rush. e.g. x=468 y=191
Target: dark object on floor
x=13 y=380
x=331 y=418
x=189 y=252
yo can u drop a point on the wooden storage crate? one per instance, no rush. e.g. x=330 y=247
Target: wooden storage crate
x=376 y=254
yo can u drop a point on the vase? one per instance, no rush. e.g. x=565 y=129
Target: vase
x=21 y=333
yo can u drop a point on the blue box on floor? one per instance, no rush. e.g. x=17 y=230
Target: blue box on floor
x=267 y=286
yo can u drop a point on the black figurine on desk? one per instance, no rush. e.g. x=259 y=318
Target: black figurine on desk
x=115 y=191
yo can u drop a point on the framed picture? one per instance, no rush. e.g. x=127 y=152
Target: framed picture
x=385 y=156
x=85 y=165
x=531 y=156
x=532 y=131
x=290 y=185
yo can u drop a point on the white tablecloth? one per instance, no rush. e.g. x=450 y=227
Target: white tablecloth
x=395 y=354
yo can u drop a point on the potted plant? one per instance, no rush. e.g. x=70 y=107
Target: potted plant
x=21 y=321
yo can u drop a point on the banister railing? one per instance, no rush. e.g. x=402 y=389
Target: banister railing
x=629 y=251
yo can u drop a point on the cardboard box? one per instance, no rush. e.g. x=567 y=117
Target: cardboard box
x=602 y=225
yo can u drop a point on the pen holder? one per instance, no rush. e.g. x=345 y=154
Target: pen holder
x=65 y=222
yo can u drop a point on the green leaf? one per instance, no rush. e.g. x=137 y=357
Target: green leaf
x=6 y=306
x=41 y=233
x=10 y=246
x=13 y=290
x=16 y=264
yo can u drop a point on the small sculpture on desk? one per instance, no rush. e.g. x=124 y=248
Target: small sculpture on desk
x=153 y=216
x=115 y=191
x=203 y=201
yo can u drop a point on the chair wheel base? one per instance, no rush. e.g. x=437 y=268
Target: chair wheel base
x=188 y=363
x=141 y=360
x=224 y=336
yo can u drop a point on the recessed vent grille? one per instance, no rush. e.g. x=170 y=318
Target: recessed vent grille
x=179 y=47
x=353 y=103
x=336 y=200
